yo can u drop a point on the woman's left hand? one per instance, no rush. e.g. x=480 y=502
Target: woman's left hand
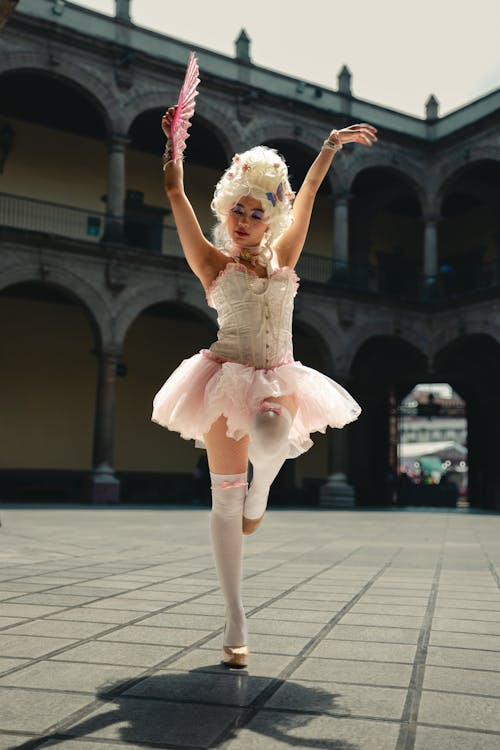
x=360 y=133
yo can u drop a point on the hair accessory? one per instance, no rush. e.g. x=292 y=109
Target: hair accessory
x=277 y=196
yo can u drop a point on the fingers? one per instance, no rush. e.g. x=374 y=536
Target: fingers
x=166 y=120
x=365 y=133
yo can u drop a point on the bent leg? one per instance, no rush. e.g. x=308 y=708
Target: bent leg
x=267 y=451
x=228 y=463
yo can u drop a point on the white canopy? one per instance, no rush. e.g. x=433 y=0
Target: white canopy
x=412 y=450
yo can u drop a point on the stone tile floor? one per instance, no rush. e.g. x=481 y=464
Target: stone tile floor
x=369 y=630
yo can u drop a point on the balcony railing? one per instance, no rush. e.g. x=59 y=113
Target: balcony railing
x=394 y=278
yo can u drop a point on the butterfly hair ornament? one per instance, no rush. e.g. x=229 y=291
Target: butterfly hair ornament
x=184 y=111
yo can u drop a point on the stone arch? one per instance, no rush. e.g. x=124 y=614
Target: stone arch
x=411 y=173
x=95 y=307
x=226 y=130
x=406 y=331
x=170 y=291
x=266 y=129
x=450 y=168
x=310 y=321
x=450 y=327
x=89 y=84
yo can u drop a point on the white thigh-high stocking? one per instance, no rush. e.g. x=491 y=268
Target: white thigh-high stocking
x=267 y=451
x=228 y=495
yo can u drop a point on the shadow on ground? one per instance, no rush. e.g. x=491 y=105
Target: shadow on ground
x=201 y=708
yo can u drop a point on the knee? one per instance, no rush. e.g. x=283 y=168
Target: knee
x=269 y=430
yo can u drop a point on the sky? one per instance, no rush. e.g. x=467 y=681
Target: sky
x=399 y=52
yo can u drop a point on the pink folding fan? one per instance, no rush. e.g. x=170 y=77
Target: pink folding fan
x=185 y=108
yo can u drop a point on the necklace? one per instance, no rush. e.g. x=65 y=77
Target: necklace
x=261 y=254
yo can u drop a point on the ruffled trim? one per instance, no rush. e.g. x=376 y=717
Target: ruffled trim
x=243 y=269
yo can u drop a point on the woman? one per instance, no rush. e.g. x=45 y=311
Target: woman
x=245 y=398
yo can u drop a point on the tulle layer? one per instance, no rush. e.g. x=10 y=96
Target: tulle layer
x=203 y=388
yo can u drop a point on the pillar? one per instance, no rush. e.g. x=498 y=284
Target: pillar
x=116 y=189
x=341 y=236
x=430 y=246
x=104 y=486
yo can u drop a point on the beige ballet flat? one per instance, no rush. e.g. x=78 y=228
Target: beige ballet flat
x=250 y=525
x=235 y=657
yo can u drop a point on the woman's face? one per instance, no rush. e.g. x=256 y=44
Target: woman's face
x=245 y=222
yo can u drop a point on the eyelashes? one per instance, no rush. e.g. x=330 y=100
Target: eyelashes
x=256 y=215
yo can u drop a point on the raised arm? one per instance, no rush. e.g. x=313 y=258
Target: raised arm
x=291 y=242
x=200 y=253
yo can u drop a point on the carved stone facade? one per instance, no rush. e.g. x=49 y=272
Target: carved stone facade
x=417 y=179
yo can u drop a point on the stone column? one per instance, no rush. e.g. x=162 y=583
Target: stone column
x=341 y=236
x=337 y=492
x=431 y=260
x=116 y=188
x=104 y=486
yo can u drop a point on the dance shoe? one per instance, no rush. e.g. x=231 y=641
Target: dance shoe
x=235 y=657
x=250 y=525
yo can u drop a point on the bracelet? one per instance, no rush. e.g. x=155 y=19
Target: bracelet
x=333 y=145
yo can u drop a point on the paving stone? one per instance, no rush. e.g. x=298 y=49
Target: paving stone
x=388 y=621
x=69 y=676
x=363 y=607
x=28 y=610
x=274 y=730
x=86 y=745
x=135 y=720
x=7 y=622
x=355 y=672
x=466 y=626
x=106 y=616
x=374 y=634
x=36 y=712
x=447 y=601
x=194 y=622
x=365 y=651
x=482 y=615
x=464 y=640
x=431 y=738
x=26 y=646
x=61 y=629
x=128 y=604
x=163 y=636
x=283 y=627
x=471 y=681
x=237 y=688
x=412 y=601
x=52 y=599
x=339 y=699
x=7 y=663
x=463 y=658
x=292 y=615
x=130 y=654
x=468 y=711
x=313 y=606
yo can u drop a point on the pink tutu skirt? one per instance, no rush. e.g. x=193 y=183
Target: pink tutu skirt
x=204 y=387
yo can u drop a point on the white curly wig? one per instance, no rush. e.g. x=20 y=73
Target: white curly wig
x=262 y=173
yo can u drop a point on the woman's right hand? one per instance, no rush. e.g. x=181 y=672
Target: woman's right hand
x=166 y=121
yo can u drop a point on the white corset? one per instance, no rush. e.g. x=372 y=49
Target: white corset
x=254 y=316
